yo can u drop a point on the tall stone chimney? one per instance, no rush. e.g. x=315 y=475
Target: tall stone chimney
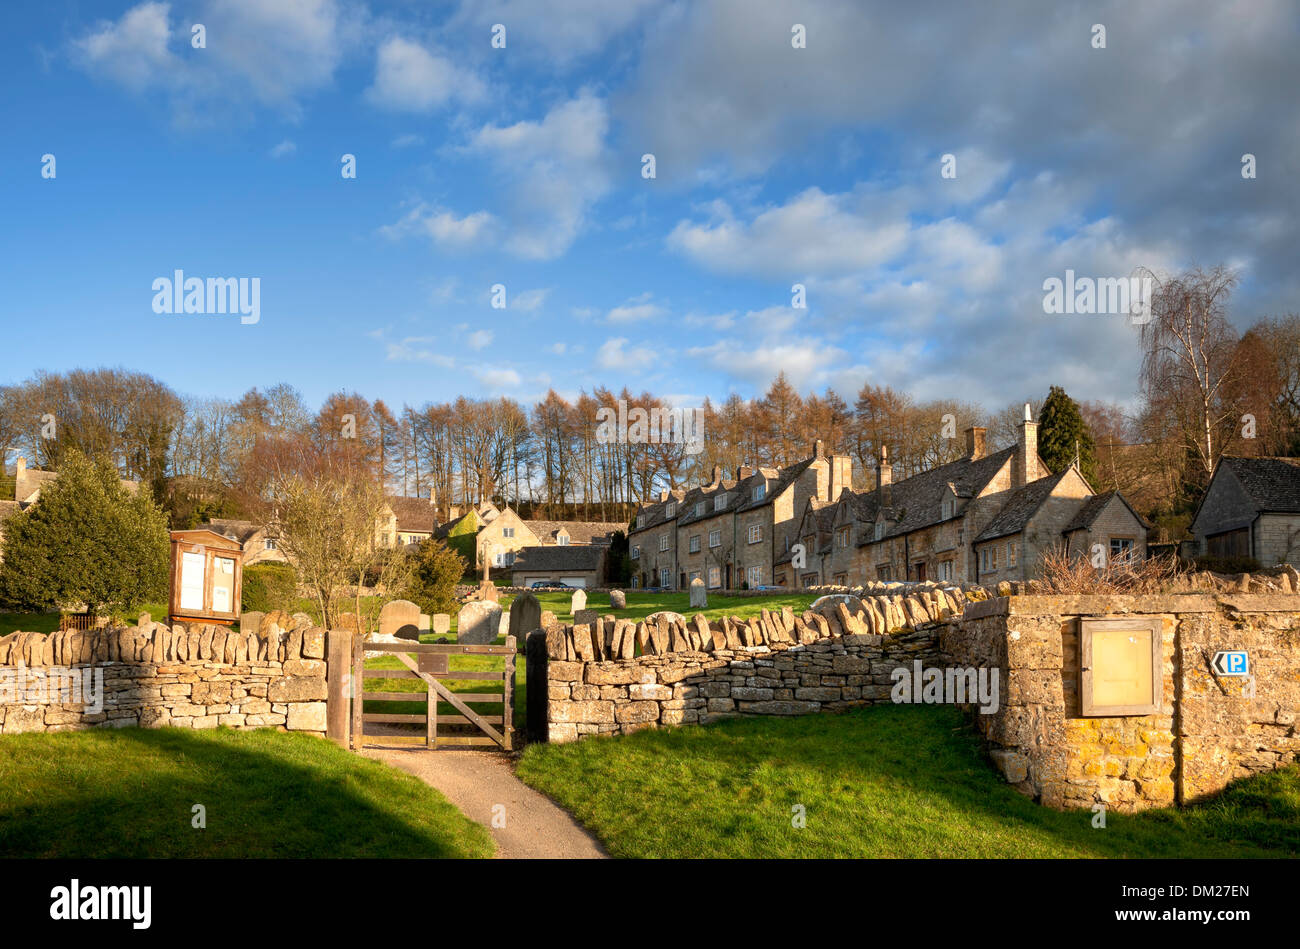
x=717 y=475
x=841 y=476
x=743 y=472
x=819 y=449
x=976 y=445
x=1026 y=464
x=885 y=477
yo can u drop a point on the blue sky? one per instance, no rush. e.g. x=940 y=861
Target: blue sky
x=522 y=166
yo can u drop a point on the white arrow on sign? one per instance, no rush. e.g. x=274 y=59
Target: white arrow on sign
x=1231 y=663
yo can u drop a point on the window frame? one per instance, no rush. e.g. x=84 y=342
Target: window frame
x=1087 y=627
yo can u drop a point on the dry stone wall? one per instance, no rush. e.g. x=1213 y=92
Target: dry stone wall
x=194 y=676
x=615 y=676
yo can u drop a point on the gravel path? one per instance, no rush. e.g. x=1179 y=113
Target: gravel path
x=476 y=781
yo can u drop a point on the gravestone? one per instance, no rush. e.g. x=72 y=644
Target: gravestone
x=505 y=624
x=525 y=616
x=399 y=618
x=585 y=617
x=699 y=598
x=618 y=599
x=425 y=622
x=251 y=622
x=441 y=623
x=478 y=623
x=579 y=602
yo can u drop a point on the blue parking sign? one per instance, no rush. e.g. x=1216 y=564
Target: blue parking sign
x=1231 y=662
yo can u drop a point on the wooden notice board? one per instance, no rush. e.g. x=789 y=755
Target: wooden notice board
x=206 y=576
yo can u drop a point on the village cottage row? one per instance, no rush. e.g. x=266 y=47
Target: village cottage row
x=981 y=519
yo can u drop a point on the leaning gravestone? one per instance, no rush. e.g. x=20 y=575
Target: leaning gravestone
x=579 y=602
x=617 y=599
x=478 y=623
x=699 y=598
x=585 y=617
x=400 y=618
x=525 y=616
x=441 y=623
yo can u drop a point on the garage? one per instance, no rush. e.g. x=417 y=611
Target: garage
x=578 y=567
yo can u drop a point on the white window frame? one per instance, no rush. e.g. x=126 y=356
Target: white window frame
x=880 y=530
x=508 y=532
x=663 y=542
x=715 y=578
x=719 y=502
x=671 y=510
x=694 y=545
x=636 y=552
x=754 y=576
x=755 y=533
x=715 y=538
x=759 y=492
x=1011 y=554
x=562 y=540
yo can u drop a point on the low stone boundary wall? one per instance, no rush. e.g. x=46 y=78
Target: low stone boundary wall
x=192 y=677
x=615 y=675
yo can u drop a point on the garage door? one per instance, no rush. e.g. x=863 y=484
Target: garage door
x=574 y=581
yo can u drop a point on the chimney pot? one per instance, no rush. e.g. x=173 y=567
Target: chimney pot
x=976 y=442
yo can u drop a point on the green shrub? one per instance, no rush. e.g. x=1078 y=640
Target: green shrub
x=1228 y=564
x=438 y=569
x=269 y=586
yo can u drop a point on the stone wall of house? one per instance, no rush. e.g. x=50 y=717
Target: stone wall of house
x=193 y=676
x=616 y=675
x=1207 y=731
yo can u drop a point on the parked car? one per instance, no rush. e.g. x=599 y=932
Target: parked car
x=550 y=585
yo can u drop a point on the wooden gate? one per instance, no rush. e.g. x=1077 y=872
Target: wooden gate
x=431 y=664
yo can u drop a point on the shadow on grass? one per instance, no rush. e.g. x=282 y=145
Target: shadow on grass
x=882 y=781
x=131 y=792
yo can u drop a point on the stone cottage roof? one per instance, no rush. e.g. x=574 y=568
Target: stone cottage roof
x=413 y=514
x=231 y=527
x=1272 y=483
x=784 y=477
x=737 y=493
x=1020 y=507
x=656 y=513
x=576 y=559
x=916 y=502
x=580 y=532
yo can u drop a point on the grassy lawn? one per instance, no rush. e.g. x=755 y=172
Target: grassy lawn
x=885 y=781
x=130 y=792
x=641 y=605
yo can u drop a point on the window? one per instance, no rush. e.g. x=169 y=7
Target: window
x=988 y=560
x=699 y=508
x=880 y=529
x=672 y=509
x=1120 y=665
x=720 y=502
x=755 y=576
x=884 y=572
x=809 y=579
x=943 y=570
x=755 y=533
x=663 y=542
x=715 y=578
x=640 y=520
x=507 y=532
x=808 y=543
x=1121 y=549
x=695 y=543
x=842 y=537
x=715 y=538
x=562 y=540
x=842 y=579
x=636 y=552
x=1011 y=554
x=269 y=544
x=665 y=577
x=760 y=491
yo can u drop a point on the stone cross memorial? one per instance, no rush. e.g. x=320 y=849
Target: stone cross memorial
x=478 y=623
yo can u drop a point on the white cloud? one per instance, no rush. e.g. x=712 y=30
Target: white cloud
x=479 y=339
x=133 y=50
x=614 y=354
x=558 y=31
x=284 y=148
x=408 y=140
x=443 y=227
x=410 y=78
x=635 y=310
x=498 y=378
x=416 y=349
x=530 y=300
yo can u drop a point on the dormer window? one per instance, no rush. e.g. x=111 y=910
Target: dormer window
x=880 y=529
x=946 y=509
x=760 y=491
x=672 y=509
x=720 y=502
x=640 y=520
x=699 y=509
x=562 y=540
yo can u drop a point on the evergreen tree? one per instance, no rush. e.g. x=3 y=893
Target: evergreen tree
x=1062 y=432
x=87 y=540
x=438 y=568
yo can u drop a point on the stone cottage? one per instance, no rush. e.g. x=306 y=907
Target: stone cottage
x=1251 y=509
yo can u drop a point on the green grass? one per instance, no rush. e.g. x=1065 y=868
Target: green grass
x=641 y=605
x=885 y=781
x=130 y=792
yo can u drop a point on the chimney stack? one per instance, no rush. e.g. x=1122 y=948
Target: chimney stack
x=885 y=477
x=819 y=449
x=743 y=472
x=717 y=475
x=841 y=475
x=1026 y=465
x=976 y=446
x=663 y=495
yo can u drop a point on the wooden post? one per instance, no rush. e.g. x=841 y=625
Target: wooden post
x=358 y=690
x=508 y=687
x=536 y=662
x=338 y=672
x=431 y=717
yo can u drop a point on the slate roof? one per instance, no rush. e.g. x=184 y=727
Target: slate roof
x=1020 y=507
x=227 y=527
x=783 y=478
x=580 y=532
x=738 y=492
x=915 y=502
x=575 y=558
x=655 y=514
x=1093 y=507
x=1272 y=483
x=413 y=514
